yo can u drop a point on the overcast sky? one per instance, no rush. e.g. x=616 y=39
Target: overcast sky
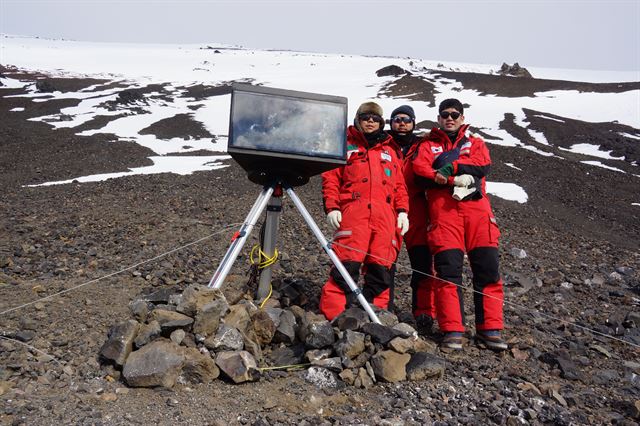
x=596 y=34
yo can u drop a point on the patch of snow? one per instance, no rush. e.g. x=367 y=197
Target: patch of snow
x=16 y=109
x=181 y=165
x=591 y=150
x=512 y=166
x=507 y=191
x=549 y=118
x=604 y=166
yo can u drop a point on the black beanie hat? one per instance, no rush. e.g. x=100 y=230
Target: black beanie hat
x=404 y=109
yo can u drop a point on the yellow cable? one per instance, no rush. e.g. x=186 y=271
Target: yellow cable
x=263 y=264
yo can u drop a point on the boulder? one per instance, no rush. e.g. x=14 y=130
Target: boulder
x=239 y=366
x=390 y=366
x=157 y=364
x=120 y=342
x=198 y=367
x=425 y=365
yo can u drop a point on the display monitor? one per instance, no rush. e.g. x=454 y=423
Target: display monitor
x=285 y=135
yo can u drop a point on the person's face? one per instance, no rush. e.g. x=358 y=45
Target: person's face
x=450 y=120
x=370 y=123
x=402 y=123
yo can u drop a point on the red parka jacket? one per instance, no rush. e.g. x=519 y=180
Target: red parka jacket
x=474 y=160
x=372 y=177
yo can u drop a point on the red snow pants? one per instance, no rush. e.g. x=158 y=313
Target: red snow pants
x=366 y=240
x=458 y=227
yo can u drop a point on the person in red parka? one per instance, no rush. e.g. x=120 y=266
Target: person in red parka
x=453 y=166
x=403 y=120
x=366 y=204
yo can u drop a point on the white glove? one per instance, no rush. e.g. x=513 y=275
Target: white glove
x=403 y=223
x=463 y=180
x=459 y=192
x=334 y=218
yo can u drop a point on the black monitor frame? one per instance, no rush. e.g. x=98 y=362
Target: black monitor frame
x=264 y=166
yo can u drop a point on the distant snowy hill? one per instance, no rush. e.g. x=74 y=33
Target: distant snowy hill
x=141 y=91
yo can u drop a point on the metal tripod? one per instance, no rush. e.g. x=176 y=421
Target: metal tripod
x=271 y=196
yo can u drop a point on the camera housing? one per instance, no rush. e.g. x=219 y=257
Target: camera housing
x=286 y=136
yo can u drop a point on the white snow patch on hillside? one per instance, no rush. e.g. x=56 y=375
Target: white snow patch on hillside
x=180 y=165
x=591 y=150
x=507 y=191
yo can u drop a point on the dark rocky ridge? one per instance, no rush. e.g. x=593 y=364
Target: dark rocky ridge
x=579 y=230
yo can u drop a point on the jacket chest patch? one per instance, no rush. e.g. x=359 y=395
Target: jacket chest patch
x=387 y=172
x=351 y=149
x=436 y=149
x=385 y=155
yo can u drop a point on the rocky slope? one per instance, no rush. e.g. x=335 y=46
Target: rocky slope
x=572 y=303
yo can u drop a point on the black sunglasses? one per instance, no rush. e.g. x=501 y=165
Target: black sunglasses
x=405 y=120
x=367 y=117
x=447 y=114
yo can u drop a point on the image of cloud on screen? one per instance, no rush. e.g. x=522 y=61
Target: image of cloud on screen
x=289 y=125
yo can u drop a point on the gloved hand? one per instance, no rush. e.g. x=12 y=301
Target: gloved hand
x=463 y=180
x=446 y=171
x=403 y=222
x=334 y=218
x=460 y=192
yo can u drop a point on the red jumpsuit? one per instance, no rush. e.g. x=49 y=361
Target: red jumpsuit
x=370 y=192
x=422 y=285
x=458 y=226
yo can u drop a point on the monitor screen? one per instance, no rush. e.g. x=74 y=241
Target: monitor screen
x=303 y=131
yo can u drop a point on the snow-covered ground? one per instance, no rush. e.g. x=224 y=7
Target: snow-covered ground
x=179 y=66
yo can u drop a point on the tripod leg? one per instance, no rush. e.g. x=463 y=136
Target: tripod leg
x=237 y=244
x=334 y=257
x=274 y=208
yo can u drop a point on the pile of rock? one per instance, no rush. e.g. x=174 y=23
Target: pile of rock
x=514 y=70
x=197 y=336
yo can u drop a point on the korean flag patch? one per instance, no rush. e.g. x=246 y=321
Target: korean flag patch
x=385 y=156
x=436 y=149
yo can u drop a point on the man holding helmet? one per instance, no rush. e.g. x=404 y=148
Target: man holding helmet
x=366 y=204
x=453 y=167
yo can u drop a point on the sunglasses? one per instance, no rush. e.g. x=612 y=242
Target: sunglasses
x=399 y=120
x=447 y=114
x=367 y=117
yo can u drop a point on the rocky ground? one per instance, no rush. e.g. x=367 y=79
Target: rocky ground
x=72 y=258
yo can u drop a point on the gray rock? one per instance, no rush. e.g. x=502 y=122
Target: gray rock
x=347 y=376
x=147 y=333
x=161 y=296
x=380 y=333
x=390 y=366
x=350 y=345
x=405 y=330
x=402 y=345
x=351 y=319
x=387 y=318
x=24 y=335
x=239 y=366
x=196 y=296
x=287 y=355
x=139 y=309
x=317 y=354
x=425 y=366
x=177 y=336
x=120 y=342
x=286 y=331
x=238 y=317
x=334 y=364
x=553 y=278
x=518 y=253
x=316 y=332
x=322 y=378
x=170 y=320
x=198 y=367
x=208 y=316
x=157 y=364
x=226 y=339
x=363 y=379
